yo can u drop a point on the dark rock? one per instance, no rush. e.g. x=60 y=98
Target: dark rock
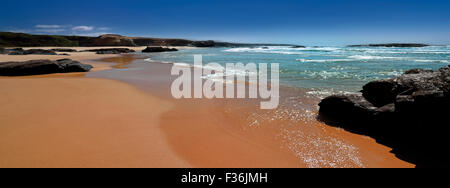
x=73 y=66
x=298 y=47
x=408 y=113
x=380 y=92
x=158 y=49
x=265 y=48
x=20 y=51
x=346 y=108
x=384 y=92
x=64 y=54
x=397 y=45
x=37 y=67
x=418 y=71
x=3 y=51
x=39 y=52
x=64 y=50
x=111 y=51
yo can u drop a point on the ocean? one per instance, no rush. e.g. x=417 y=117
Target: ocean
x=322 y=69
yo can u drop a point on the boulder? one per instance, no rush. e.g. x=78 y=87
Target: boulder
x=408 y=113
x=20 y=51
x=346 y=108
x=382 y=92
x=38 y=67
x=158 y=49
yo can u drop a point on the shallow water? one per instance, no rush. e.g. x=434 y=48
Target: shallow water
x=322 y=68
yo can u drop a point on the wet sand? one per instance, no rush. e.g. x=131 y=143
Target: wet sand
x=78 y=121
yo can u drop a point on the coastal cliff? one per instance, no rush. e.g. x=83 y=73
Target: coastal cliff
x=8 y=39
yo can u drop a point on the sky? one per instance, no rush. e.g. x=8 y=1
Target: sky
x=303 y=22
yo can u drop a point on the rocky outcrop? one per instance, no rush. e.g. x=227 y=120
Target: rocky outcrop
x=408 y=113
x=38 y=67
x=20 y=51
x=158 y=49
x=111 y=51
x=3 y=51
x=397 y=45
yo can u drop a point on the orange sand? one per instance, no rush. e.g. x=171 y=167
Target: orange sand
x=79 y=122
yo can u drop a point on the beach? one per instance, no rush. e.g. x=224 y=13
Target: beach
x=114 y=118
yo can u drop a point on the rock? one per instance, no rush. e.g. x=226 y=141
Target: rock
x=408 y=113
x=346 y=108
x=69 y=65
x=64 y=50
x=3 y=51
x=64 y=54
x=37 y=67
x=382 y=92
x=158 y=49
x=265 y=48
x=397 y=45
x=298 y=47
x=20 y=51
x=111 y=51
x=418 y=71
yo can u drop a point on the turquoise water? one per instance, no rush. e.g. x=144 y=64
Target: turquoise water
x=323 y=68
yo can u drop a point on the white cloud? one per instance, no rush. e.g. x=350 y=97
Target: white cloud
x=48 y=26
x=83 y=28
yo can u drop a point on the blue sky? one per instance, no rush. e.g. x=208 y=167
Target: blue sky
x=309 y=22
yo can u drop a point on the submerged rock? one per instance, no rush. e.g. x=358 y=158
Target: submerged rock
x=37 y=67
x=298 y=46
x=158 y=49
x=408 y=113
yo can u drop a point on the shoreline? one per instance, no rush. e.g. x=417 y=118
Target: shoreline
x=220 y=126
x=206 y=133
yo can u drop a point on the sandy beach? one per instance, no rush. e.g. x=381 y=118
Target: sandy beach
x=85 y=120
